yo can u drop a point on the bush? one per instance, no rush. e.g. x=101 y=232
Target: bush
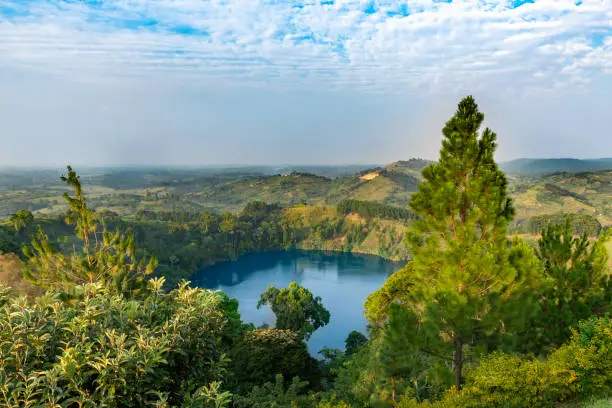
x=106 y=350
x=590 y=354
x=579 y=370
x=260 y=355
x=508 y=381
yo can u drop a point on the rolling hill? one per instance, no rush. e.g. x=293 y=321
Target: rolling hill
x=535 y=167
x=126 y=191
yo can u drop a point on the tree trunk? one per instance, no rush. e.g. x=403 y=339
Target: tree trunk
x=458 y=362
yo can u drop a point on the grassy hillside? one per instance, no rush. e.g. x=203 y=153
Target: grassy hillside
x=584 y=193
x=392 y=184
x=287 y=189
x=126 y=191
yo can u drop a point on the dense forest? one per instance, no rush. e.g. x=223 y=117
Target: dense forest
x=95 y=311
x=580 y=223
x=185 y=241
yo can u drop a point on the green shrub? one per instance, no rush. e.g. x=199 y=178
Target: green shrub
x=275 y=394
x=107 y=350
x=508 y=381
x=260 y=355
x=579 y=370
x=590 y=354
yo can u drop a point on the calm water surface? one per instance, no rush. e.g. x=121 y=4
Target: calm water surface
x=343 y=281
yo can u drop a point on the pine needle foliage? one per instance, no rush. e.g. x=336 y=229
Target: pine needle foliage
x=98 y=255
x=21 y=220
x=577 y=283
x=468 y=284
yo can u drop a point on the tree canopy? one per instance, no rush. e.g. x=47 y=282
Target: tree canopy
x=577 y=284
x=101 y=255
x=468 y=282
x=296 y=309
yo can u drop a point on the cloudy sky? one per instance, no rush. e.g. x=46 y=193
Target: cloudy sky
x=297 y=81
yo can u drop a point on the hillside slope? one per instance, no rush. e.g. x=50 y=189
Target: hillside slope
x=584 y=193
x=535 y=167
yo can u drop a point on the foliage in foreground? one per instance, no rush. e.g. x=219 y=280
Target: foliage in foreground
x=469 y=291
x=100 y=256
x=578 y=370
x=107 y=350
x=576 y=284
x=469 y=288
x=106 y=336
x=258 y=356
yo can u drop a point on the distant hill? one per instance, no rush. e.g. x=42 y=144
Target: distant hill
x=392 y=184
x=537 y=167
x=126 y=191
x=582 y=193
x=285 y=189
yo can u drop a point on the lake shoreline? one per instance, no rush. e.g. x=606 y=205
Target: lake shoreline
x=343 y=280
x=305 y=249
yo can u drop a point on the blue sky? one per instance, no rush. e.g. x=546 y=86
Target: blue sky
x=278 y=81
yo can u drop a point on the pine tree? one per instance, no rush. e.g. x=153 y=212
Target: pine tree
x=99 y=254
x=578 y=283
x=21 y=220
x=468 y=282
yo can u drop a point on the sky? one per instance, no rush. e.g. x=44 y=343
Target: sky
x=98 y=82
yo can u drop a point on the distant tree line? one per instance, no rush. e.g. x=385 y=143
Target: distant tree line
x=167 y=216
x=185 y=241
x=407 y=181
x=306 y=174
x=558 y=192
x=580 y=223
x=370 y=209
x=415 y=163
x=370 y=170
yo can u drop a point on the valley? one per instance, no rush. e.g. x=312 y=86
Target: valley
x=201 y=216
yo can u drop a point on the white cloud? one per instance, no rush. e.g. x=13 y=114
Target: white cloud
x=220 y=80
x=311 y=43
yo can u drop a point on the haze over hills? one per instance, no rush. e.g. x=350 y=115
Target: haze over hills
x=520 y=166
x=535 y=167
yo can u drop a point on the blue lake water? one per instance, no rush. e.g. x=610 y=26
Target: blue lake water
x=342 y=280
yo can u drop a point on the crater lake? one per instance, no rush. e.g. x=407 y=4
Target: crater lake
x=342 y=280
